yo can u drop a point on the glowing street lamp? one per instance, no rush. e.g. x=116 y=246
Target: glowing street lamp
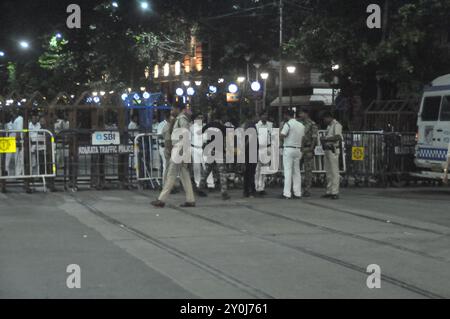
x=256 y=86
x=291 y=69
x=233 y=88
x=241 y=79
x=198 y=83
x=335 y=67
x=264 y=76
x=187 y=83
x=115 y=4
x=145 y=5
x=24 y=44
x=2 y=54
x=179 y=92
x=58 y=36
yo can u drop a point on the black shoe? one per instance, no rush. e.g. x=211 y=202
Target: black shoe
x=225 y=196
x=158 y=204
x=187 y=205
x=297 y=197
x=306 y=194
x=326 y=196
x=262 y=193
x=334 y=197
x=284 y=197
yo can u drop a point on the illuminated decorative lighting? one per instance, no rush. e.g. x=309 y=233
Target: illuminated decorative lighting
x=146 y=95
x=124 y=96
x=198 y=83
x=166 y=69
x=335 y=67
x=264 y=75
x=145 y=5
x=177 y=68
x=129 y=90
x=111 y=92
x=241 y=79
x=102 y=93
x=136 y=96
x=233 y=88
x=143 y=88
x=58 y=36
x=24 y=44
x=256 y=86
x=187 y=83
x=212 y=89
x=180 y=92
x=94 y=93
x=221 y=80
x=2 y=54
x=115 y=4
x=156 y=71
x=96 y=99
x=190 y=91
x=291 y=69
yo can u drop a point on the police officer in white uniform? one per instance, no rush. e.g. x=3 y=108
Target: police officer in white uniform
x=18 y=126
x=161 y=146
x=332 y=147
x=264 y=129
x=292 y=134
x=34 y=126
x=9 y=156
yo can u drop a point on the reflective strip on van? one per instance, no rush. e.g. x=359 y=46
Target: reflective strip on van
x=432 y=154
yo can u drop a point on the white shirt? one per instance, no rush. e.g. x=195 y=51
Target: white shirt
x=10 y=126
x=196 y=138
x=160 y=127
x=34 y=127
x=264 y=133
x=133 y=126
x=448 y=152
x=294 y=131
x=17 y=125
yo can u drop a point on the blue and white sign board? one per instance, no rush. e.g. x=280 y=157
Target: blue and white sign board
x=105 y=138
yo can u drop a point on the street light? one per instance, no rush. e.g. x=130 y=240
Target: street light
x=58 y=36
x=335 y=67
x=233 y=88
x=241 y=79
x=2 y=54
x=115 y=4
x=24 y=44
x=187 y=83
x=264 y=76
x=291 y=69
x=145 y=5
x=179 y=92
x=256 y=86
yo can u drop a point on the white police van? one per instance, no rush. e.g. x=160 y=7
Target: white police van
x=434 y=128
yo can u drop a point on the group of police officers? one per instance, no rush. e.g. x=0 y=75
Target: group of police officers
x=300 y=141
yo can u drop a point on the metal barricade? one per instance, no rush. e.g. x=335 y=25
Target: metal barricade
x=95 y=165
x=148 y=160
x=27 y=155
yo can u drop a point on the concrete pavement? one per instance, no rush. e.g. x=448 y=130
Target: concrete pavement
x=244 y=248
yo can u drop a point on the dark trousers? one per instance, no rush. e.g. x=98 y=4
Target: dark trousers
x=249 y=179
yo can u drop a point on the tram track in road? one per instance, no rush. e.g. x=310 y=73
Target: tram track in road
x=377 y=219
x=213 y=271
x=337 y=261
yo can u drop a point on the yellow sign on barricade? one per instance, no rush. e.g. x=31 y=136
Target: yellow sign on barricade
x=8 y=145
x=357 y=153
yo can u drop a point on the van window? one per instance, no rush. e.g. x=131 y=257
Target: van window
x=445 y=110
x=431 y=106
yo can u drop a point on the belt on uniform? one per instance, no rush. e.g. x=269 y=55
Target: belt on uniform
x=195 y=146
x=299 y=148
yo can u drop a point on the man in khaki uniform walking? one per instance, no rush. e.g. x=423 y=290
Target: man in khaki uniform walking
x=174 y=168
x=331 y=144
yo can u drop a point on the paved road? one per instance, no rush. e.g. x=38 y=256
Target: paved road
x=244 y=248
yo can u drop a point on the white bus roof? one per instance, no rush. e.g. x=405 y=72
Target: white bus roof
x=442 y=80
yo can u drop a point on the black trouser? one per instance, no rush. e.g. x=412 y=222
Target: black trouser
x=249 y=179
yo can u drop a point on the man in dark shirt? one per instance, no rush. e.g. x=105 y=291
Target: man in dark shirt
x=216 y=165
